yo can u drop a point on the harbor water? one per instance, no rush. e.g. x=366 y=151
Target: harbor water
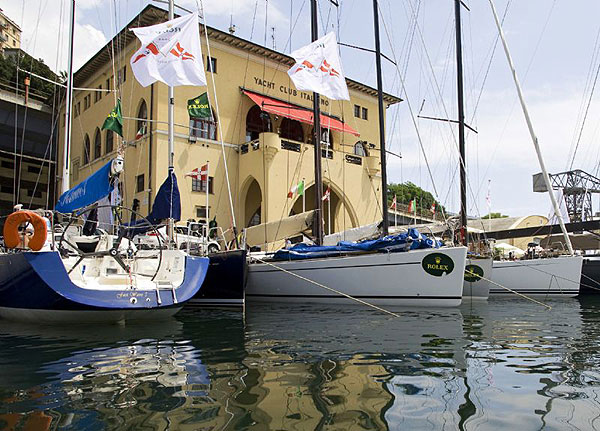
x=500 y=364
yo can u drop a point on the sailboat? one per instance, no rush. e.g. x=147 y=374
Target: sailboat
x=405 y=269
x=70 y=277
x=557 y=276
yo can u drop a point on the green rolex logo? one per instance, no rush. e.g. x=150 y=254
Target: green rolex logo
x=473 y=273
x=437 y=264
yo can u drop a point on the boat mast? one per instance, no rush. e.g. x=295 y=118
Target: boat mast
x=461 y=127
x=532 y=133
x=384 y=205
x=171 y=136
x=318 y=219
x=69 y=103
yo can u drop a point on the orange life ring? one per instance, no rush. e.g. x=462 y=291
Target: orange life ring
x=12 y=238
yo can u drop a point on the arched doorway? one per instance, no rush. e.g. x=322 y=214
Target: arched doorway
x=332 y=209
x=257 y=122
x=253 y=205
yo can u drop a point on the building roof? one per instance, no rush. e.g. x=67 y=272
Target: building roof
x=9 y=20
x=496 y=224
x=153 y=15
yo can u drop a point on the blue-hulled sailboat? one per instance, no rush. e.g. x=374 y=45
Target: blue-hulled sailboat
x=100 y=276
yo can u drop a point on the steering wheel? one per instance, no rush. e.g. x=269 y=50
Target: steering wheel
x=123 y=232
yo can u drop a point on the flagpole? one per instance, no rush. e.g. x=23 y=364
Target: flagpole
x=318 y=224
x=206 y=212
x=171 y=134
x=303 y=197
x=329 y=214
x=68 y=123
x=395 y=212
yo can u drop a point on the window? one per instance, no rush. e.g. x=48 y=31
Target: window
x=360 y=149
x=109 y=141
x=291 y=129
x=122 y=75
x=87 y=101
x=86 y=150
x=357 y=111
x=211 y=64
x=200 y=186
x=201 y=212
x=7 y=164
x=257 y=122
x=108 y=84
x=35 y=194
x=97 y=144
x=98 y=94
x=203 y=128
x=6 y=188
x=142 y=116
x=139 y=183
x=365 y=114
x=34 y=169
x=77 y=109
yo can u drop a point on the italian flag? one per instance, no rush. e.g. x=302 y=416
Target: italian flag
x=412 y=206
x=297 y=189
x=140 y=133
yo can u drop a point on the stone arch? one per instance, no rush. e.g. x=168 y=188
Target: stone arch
x=257 y=122
x=86 y=149
x=252 y=202
x=97 y=144
x=142 y=116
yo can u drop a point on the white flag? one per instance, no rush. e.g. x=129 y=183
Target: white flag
x=170 y=53
x=318 y=68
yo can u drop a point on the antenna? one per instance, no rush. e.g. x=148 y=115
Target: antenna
x=273 y=37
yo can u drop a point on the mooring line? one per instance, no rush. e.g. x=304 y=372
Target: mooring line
x=327 y=288
x=509 y=289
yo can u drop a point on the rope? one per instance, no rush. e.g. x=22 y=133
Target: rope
x=327 y=288
x=510 y=290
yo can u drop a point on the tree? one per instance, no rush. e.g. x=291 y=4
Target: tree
x=494 y=215
x=408 y=191
x=38 y=88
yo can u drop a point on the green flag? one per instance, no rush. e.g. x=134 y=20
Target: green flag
x=199 y=107
x=300 y=189
x=114 y=121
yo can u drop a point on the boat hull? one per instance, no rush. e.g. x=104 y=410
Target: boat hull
x=558 y=276
x=590 y=276
x=390 y=279
x=478 y=289
x=225 y=282
x=36 y=286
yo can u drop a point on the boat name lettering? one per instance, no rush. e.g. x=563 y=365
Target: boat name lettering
x=131 y=294
x=288 y=91
x=437 y=264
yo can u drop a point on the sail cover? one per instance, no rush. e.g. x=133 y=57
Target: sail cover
x=92 y=189
x=167 y=203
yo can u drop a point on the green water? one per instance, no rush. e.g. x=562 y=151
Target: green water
x=505 y=364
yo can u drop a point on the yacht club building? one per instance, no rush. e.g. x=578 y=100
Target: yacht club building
x=264 y=123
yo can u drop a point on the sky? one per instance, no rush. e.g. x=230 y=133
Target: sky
x=554 y=44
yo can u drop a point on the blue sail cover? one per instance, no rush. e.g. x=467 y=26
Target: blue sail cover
x=92 y=189
x=410 y=240
x=167 y=203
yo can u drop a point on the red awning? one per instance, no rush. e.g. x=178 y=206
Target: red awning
x=296 y=112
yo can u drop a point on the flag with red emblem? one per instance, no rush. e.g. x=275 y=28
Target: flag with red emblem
x=327 y=194
x=170 y=53
x=318 y=68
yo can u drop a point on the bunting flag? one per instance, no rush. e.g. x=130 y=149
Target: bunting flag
x=318 y=68
x=199 y=107
x=432 y=209
x=412 y=206
x=114 y=121
x=326 y=195
x=194 y=173
x=140 y=133
x=170 y=53
x=198 y=174
x=394 y=204
x=297 y=189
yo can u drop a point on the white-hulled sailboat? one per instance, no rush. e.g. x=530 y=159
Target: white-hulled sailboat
x=557 y=276
x=405 y=269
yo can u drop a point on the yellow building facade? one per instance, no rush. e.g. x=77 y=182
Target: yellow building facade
x=266 y=154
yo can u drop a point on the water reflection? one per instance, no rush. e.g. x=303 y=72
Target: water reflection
x=483 y=366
